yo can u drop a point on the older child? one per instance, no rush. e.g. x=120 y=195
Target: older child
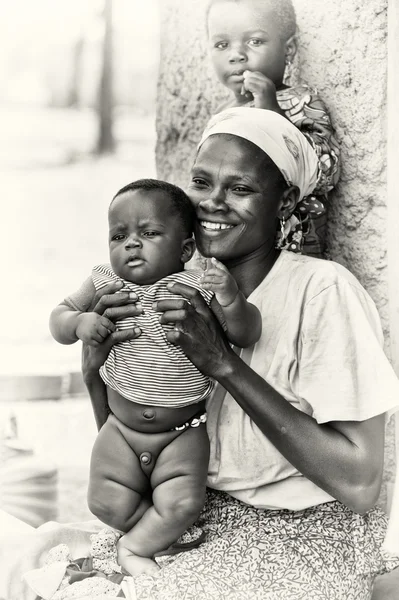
x=252 y=45
x=155 y=439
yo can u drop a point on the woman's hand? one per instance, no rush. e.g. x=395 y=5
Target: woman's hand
x=114 y=306
x=197 y=330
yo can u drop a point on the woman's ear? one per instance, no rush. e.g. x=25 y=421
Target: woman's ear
x=291 y=47
x=187 y=249
x=289 y=200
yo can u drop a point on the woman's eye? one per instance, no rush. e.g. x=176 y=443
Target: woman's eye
x=198 y=182
x=255 y=42
x=221 y=45
x=240 y=189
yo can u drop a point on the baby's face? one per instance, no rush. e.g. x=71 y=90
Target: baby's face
x=245 y=37
x=145 y=236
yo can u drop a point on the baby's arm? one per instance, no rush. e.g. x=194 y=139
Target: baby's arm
x=314 y=122
x=243 y=319
x=70 y=322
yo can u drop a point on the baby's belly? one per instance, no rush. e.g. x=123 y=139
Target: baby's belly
x=148 y=418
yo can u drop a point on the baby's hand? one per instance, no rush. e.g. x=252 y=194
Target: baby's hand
x=93 y=328
x=218 y=279
x=262 y=88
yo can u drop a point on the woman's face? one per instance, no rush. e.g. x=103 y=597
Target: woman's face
x=235 y=188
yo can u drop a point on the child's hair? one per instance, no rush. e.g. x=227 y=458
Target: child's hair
x=180 y=201
x=283 y=9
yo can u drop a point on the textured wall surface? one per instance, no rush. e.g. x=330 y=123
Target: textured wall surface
x=343 y=53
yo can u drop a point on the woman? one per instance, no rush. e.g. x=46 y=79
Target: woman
x=296 y=423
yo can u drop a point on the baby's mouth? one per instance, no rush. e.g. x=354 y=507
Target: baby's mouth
x=134 y=261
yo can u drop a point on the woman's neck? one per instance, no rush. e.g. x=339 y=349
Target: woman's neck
x=250 y=271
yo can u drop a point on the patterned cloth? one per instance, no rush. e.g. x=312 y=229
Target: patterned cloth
x=304 y=108
x=322 y=553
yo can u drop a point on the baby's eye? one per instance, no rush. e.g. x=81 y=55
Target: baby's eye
x=255 y=42
x=151 y=233
x=118 y=237
x=221 y=45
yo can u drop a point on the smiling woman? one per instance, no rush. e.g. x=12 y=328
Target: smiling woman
x=296 y=422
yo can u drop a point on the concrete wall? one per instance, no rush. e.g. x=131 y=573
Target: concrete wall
x=343 y=53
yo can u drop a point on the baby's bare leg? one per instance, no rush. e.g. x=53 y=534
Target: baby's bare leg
x=179 y=483
x=119 y=492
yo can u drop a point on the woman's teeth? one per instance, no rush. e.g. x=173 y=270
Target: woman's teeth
x=215 y=226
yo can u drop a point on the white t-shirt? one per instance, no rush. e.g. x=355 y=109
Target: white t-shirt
x=321 y=349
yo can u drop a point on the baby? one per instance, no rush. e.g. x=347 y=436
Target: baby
x=150 y=460
x=252 y=45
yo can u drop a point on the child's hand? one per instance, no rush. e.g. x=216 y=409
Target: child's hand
x=218 y=279
x=263 y=90
x=93 y=329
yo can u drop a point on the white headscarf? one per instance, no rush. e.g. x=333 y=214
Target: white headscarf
x=277 y=137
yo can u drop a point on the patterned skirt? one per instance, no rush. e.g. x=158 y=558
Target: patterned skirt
x=325 y=552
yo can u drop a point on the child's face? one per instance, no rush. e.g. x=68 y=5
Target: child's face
x=146 y=241
x=245 y=37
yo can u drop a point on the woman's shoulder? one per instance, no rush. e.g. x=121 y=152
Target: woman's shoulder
x=317 y=275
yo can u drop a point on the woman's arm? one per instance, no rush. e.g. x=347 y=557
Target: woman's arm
x=343 y=458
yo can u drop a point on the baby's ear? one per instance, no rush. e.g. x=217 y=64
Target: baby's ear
x=187 y=249
x=291 y=47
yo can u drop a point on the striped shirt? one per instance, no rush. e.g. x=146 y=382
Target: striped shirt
x=149 y=369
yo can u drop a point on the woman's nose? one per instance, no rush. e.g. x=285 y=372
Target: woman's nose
x=216 y=201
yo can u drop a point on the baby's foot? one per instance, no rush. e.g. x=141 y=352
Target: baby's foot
x=134 y=564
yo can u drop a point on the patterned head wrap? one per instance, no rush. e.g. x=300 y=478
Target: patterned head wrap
x=277 y=137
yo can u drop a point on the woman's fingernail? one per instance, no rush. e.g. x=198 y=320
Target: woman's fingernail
x=170 y=285
x=139 y=305
x=132 y=296
x=137 y=330
x=154 y=306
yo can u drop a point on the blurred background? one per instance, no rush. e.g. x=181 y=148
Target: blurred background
x=77 y=111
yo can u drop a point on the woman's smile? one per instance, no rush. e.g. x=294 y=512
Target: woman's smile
x=215 y=225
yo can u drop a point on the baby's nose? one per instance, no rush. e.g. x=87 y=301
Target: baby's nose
x=133 y=242
x=237 y=54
